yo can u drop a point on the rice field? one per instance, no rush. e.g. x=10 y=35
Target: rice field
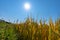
x=30 y=30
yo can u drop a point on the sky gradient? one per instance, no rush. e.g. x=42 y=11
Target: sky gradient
x=14 y=9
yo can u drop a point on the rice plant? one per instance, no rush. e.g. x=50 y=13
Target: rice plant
x=30 y=30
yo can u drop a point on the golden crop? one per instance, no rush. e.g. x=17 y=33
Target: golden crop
x=31 y=30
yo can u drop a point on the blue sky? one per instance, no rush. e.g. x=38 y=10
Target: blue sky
x=14 y=9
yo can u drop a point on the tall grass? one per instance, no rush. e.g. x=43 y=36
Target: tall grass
x=31 y=30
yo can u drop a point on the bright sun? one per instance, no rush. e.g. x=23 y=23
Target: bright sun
x=27 y=6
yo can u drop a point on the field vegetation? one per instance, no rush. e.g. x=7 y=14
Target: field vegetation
x=30 y=30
